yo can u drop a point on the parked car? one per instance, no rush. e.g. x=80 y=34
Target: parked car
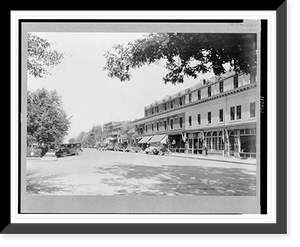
x=34 y=151
x=110 y=146
x=69 y=149
x=152 y=150
x=132 y=149
x=119 y=147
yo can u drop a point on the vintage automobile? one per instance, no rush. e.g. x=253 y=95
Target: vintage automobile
x=110 y=146
x=132 y=149
x=119 y=147
x=152 y=150
x=34 y=150
x=64 y=150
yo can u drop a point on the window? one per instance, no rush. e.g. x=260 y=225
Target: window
x=239 y=112
x=209 y=91
x=199 y=94
x=146 y=127
x=252 y=77
x=190 y=98
x=235 y=81
x=152 y=111
x=199 y=119
x=221 y=87
x=221 y=115
x=171 y=124
x=171 y=103
x=190 y=120
x=180 y=122
x=157 y=109
x=165 y=105
x=152 y=127
x=209 y=117
x=252 y=109
x=157 y=126
x=165 y=124
x=232 y=113
x=180 y=101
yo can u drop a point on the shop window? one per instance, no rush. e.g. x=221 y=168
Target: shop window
x=252 y=109
x=239 y=112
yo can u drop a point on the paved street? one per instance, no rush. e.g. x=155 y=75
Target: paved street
x=118 y=173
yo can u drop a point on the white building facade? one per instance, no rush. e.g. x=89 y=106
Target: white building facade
x=219 y=113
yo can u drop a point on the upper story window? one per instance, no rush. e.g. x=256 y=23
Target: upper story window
x=165 y=124
x=152 y=127
x=199 y=119
x=157 y=126
x=235 y=81
x=252 y=77
x=152 y=110
x=157 y=110
x=252 y=109
x=190 y=98
x=232 y=113
x=209 y=91
x=199 y=94
x=180 y=122
x=209 y=117
x=171 y=123
x=221 y=87
x=239 y=112
x=171 y=102
x=190 y=120
x=221 y=115
x=180 y=101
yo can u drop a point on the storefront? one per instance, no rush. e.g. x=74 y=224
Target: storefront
x=176 y=143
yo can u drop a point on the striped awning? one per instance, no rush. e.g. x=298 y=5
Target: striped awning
x=157 y=138
x=145 y=139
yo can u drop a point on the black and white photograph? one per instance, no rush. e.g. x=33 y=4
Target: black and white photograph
x=131 y=111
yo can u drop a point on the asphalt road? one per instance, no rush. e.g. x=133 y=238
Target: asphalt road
x=118 y=173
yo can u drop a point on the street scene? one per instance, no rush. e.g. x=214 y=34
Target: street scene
x=132 y=113
x=122 y=173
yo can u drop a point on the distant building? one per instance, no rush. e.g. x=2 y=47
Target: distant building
x=219 y=113
x=114 y=130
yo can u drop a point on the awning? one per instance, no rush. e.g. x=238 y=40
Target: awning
x=145 y=139
x=157 y=138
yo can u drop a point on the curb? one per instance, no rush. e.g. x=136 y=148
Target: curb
x=219 y=160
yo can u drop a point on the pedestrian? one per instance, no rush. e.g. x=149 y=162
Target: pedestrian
x=205 y=150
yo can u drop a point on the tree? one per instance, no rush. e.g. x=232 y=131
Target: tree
x=47 y=121
x=186 y=54
x=128 y=131
x=40 y=57
x=72 y=140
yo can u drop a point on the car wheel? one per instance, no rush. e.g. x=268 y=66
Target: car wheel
x=79 y=152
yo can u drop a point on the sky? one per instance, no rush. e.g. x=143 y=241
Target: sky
x=89 y=96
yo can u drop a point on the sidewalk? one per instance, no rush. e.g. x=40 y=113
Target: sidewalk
x=215 y=158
